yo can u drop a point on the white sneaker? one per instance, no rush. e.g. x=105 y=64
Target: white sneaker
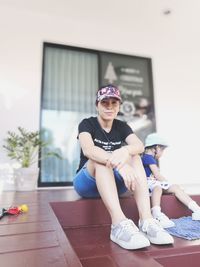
x=155 y=233
x=127 y=235
x=196 y=216
x=164 y=220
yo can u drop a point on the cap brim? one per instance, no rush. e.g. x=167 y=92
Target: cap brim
x=109 y=96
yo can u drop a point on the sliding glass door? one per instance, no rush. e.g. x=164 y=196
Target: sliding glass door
x=70 y=81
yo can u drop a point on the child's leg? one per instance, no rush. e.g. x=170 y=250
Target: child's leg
x=187 y=200
x=156 y=208
x=155 y=200
x=184 y=198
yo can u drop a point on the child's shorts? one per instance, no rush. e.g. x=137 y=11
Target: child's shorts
x=85 y=184
x=152 y=183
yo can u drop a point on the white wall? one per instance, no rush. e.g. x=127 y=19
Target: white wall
x=132 y=27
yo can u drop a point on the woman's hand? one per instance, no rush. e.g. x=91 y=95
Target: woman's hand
x=118 y=158
x=128 y=176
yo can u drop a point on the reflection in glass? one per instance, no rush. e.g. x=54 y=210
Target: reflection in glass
x=70 y=80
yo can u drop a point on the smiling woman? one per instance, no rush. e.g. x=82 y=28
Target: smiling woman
x=110 y=165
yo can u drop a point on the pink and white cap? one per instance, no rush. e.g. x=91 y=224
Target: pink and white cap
x=109 y=91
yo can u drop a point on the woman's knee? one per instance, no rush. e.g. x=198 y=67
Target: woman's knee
x=102 y=167
x=136 y=162
x=98 y=170
x=91 y=167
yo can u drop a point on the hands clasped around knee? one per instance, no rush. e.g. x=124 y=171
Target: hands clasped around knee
x=128 y=176
x=118 y=158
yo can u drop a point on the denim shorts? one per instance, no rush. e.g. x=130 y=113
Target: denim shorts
x=85 y=184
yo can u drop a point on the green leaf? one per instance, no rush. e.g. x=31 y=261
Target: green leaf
x=24 y=146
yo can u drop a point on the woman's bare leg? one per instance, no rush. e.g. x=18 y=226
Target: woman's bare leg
x=141 y=190
x=107 y=189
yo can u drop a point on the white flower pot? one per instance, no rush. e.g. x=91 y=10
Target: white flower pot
x=26 y=179
x=7 y=183
x=7 y=179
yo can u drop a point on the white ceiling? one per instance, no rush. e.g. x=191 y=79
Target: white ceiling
x=144 y=16
x=126 y=12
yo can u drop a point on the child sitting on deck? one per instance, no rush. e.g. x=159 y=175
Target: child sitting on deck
x=154 y=148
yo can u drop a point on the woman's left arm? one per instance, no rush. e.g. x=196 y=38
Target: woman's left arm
x=121 y=156
x=134 y=145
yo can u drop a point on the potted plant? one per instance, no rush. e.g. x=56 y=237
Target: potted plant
x=27 y=148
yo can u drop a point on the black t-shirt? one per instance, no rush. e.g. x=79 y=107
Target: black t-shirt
x=107 y=141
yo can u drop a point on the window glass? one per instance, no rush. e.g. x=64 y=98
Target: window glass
x=70 y=81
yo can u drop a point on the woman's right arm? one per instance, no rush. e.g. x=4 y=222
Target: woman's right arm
x=91 y=151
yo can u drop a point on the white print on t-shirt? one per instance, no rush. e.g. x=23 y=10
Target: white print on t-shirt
x=108 y=146
x=106 y=143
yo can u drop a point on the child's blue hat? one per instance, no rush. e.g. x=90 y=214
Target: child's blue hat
x=154 y=139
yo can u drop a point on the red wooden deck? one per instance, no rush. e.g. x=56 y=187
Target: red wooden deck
x=61 y=230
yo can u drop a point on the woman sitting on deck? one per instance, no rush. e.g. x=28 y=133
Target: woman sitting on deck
x=107 y=169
